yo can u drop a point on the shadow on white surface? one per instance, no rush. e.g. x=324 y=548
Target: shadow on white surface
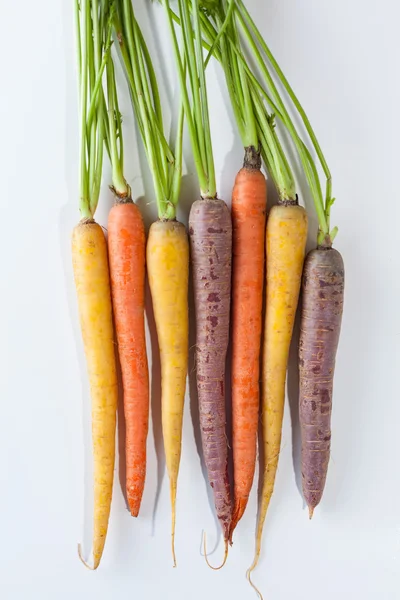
x=155 y=379
x=293 y=398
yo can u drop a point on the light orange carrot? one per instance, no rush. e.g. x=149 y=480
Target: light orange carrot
x=126 y=247
x=248 y=216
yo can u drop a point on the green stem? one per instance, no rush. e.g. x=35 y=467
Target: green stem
x=92 y=156
x=146 y=68
x=212 y=186
x=84 y=187
x=78 y=40
x=220 y=32
x=138 y=91
x=94 y=41
x=177 y=174
x=287 y=174
x=233 y=90
x=118 y=119
x=152 y=78
x=248 y=109
x=118 y=179
x=185 y=99
x=125 y=53
x=160 y=159
x=99 y=168
x=269 y=142
x=96 y=35
x=92 y=137
x=190 y=54
x=98 y=83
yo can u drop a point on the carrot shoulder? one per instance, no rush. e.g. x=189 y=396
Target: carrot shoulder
x=126 y=247
x=89 y=254
x=248 y=220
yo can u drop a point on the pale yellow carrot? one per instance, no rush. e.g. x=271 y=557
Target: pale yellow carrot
x=89 y=254
x=168 y=271
x=285 y=251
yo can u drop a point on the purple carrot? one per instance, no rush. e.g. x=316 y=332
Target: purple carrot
x=210 y=230
x=323 y=290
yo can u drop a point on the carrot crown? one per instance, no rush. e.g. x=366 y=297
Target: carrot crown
x=93 y=35
x=165 y=164
x=190 y=66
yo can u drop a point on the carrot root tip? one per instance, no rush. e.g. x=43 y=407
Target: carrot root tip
x=248 y=575
x=173 y=549
x=310 y=512
x=225 y=555
x=84 y=561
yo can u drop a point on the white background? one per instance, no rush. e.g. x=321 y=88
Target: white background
x=343 y=60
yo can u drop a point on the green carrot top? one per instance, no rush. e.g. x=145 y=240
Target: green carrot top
x=256 y=126
x=165 y=164
x=267 y=63
x=191 y=72
x=93 y=34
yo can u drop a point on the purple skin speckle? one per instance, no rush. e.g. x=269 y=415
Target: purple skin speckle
x=322 y=308
x=210 y=230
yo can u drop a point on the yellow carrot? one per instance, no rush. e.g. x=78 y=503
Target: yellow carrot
x=168 y=271
x=285 y=251
x=89 y=255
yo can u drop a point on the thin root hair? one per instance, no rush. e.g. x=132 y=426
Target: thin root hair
x=225 y=554
x=248 y=575
x=83 y=560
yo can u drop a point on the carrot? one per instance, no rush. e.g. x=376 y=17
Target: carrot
x=167 y=246
x=90 y=263
x=285 y=250
x=210 y=230
x=323 y=289
x=126 y=247
x=89 y=255
x=248 y=216
x=168 y=270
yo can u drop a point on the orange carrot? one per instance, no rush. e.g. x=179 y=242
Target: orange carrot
x=248 y=215
x=126 y=246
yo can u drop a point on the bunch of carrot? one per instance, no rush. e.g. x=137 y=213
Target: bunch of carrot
x=323 y=278
x=234 y=257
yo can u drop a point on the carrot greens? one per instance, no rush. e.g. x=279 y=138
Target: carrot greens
x=165 y=164
x=93 y=33
x=255 y=41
